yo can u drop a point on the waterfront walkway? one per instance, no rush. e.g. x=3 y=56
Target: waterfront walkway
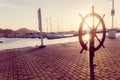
x=60 y=62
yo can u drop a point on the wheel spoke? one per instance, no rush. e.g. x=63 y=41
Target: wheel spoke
x=93 y=22
x=99 y=40
x=93 y=17
x=83 y=47
x=99 y=22
x=85 y=22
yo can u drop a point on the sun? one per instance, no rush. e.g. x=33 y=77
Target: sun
x=89 y=23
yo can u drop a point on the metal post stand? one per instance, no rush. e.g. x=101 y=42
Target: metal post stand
x=91 y=55
x=40 y=28
x=91 y=48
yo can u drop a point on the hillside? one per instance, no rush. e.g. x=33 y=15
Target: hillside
x=6 y=31
x=25 y=30
x=19 y=31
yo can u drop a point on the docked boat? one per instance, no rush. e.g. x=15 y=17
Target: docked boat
x=112 y=34
x=1 y=41
x=56 y=36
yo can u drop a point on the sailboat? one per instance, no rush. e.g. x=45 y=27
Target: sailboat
x=53 y=35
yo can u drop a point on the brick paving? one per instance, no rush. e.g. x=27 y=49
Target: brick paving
x=60 y=62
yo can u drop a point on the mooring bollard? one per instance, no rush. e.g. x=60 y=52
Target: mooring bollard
x=92 y=33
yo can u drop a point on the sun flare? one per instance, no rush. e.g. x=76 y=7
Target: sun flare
x=89 y=23
x=86 y=37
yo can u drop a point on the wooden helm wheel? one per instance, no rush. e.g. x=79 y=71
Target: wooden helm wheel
x=80 y=33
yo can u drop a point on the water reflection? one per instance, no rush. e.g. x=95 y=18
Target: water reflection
x=10 y=43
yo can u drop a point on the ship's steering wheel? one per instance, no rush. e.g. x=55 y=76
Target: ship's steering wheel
x=92 y=28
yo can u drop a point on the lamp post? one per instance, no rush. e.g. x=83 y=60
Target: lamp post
x=112 y=32
x=112 y=13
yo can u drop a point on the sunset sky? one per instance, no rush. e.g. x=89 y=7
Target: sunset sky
x=62 y=14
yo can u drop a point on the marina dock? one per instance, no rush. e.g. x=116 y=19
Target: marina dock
x=60 y=62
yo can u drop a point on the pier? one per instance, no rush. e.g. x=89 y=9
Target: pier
x=60 y=62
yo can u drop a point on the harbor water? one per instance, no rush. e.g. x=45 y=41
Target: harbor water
x=11 y=43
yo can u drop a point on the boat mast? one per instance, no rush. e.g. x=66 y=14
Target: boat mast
x=50 y=25
x=47 y=24
x=58 y=26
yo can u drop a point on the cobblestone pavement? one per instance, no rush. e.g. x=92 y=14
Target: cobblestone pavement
x=60 y=62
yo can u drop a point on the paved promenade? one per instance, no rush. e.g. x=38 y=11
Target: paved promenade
x=60 y=62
